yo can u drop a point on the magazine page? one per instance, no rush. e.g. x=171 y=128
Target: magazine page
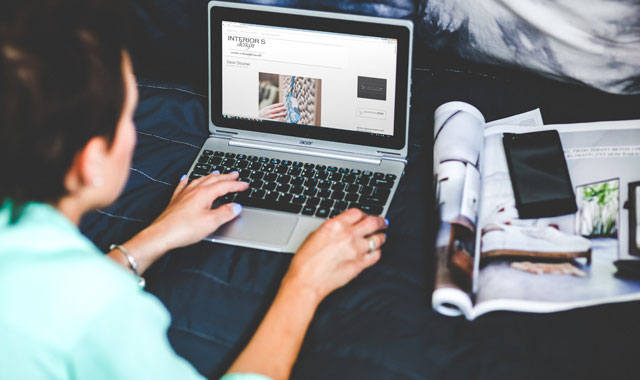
x=458 y=138
x=603 y=160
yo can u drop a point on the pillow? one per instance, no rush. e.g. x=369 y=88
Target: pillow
x=595 y=42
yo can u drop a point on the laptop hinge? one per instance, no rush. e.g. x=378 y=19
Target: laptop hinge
x=325 y=153
x=392 y=156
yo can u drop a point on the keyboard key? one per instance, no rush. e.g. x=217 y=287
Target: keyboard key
x=203 y=159
x=241 y=157
x=335 y=177
x=355 y=171
x=321 y=167
x=334 y=213
x=337 y=195
x=322 y=212
x=324 y=193
x=332 y=169
x=213 y=160
x=296 y=190
x=372 y=200
x=308 y=210
x=252 y=158
x=297 y=164
x=195 y=175
x=271 y=195
x=378 y=175
x=256 y=184
x=219 y=154
x=367 y=173
x=353 y=188
x=281 y=169
x=308 y=173
x=285 y=197
x=327 y=203
x=349 y=178
x=324 y=184
x=338 y=186
x=270 y=186
x=310 y=191
x=343 y=170
x=351 y=197
x=362 y=180
x=257 y=194
x=244 y=173
x=202 y=168
x=309 y=166
x=297 y=181
x=271 y=177
x=255 y=166
x=264 y=160
x=294 y=171
x=283 y=188
x=384 y=183
x=207 y=152
x=230 y=155
x=321 y=174
x=369 y=209
x=301 y=199
x=286 y=162
x=274 y=161
x=310 y=182
x=242 y=164
x=271 y=205
x=313 y=201
x=340 y=205
x=228 y=162
x=256 y=175
x=284 y=179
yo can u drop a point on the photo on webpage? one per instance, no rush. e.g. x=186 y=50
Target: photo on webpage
x=290 y=99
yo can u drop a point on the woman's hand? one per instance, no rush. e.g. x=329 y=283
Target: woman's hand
x=187 y=219
x=273 y=112
x=337 y=252
x=330 y=257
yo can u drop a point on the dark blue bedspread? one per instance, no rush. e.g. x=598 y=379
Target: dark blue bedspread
x=381 y=325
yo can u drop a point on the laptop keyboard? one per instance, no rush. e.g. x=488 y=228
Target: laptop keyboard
x=298 y=187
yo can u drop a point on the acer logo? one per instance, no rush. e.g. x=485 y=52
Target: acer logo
x=306 y=142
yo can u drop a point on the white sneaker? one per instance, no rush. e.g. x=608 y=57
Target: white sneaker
x=542 y=242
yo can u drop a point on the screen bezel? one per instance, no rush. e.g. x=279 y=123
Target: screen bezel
x=546 y=208
x=314 y=23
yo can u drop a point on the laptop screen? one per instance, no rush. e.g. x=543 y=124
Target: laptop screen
x=329 y=79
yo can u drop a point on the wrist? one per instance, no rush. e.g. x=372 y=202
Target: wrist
x=294 y=287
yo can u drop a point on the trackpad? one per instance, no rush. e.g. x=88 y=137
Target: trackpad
x=259 y=226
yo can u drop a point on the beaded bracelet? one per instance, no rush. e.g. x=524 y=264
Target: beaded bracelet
x=133 y=265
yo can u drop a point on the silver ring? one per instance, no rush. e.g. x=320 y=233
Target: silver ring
x=372 y=245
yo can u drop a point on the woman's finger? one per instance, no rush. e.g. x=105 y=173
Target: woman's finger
x=184 y=181
x=224 y=214
x=369 y=225
x=351 y=216
x=374 y=241
x=221 y=188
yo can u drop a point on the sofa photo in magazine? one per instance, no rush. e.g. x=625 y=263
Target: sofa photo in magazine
x=491 y=259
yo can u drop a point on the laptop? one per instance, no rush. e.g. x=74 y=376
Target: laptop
x=312 y=109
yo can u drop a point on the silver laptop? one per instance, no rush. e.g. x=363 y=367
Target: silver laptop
x=312 y=108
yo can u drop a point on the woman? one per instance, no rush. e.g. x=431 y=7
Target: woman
x=67 y=99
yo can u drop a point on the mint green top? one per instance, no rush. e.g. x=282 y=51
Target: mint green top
x=69 y=312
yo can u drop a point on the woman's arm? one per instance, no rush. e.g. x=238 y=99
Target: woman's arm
x=187 y=219
x=332 y=255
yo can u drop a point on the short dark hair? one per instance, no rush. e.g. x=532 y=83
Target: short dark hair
x=61 y=84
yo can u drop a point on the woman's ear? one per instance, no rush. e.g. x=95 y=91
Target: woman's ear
x=88 y=166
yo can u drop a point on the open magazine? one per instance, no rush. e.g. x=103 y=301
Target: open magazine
x=489 y=259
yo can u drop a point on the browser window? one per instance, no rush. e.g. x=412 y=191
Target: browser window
x=310 y=78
